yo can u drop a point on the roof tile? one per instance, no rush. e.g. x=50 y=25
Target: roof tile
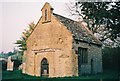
x=78 y=31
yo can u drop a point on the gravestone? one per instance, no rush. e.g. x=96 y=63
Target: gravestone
x=10 y=64
x=23 y=67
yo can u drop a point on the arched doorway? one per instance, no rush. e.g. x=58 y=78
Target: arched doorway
x=44 y=68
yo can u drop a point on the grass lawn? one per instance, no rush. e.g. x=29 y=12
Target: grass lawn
x=18 y=76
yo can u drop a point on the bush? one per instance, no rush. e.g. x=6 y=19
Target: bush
x=111 y=58
x=4 y=65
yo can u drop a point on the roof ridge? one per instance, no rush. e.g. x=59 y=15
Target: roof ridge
x=65 y=17
x=90 y=33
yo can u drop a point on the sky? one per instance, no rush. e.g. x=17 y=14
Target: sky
x=15 y=15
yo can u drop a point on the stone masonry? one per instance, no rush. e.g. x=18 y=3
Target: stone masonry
x=51 y=47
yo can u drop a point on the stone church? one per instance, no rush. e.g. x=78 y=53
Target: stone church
x=59 y=47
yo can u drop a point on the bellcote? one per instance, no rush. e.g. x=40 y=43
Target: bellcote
x=47 y=11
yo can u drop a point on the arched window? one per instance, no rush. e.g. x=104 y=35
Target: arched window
x=46 y=15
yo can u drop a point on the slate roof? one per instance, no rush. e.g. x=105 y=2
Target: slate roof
x=79 y=32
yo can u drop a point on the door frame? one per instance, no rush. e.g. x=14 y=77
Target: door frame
x=44 y=68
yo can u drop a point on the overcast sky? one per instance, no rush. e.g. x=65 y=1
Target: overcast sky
x=15 y=15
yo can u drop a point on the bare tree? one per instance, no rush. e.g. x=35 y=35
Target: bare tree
x=101 y=17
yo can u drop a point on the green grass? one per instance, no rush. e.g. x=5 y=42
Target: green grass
x=18 y=76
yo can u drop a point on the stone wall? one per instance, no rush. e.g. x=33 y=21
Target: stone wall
x=24 y=62
x=51 y=41
x=95 y=53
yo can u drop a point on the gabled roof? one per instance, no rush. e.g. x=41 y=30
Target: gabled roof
x=48 y=5
x=79 y=32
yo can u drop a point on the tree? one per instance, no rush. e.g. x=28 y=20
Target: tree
x=111 y=58
x=102 y=18
x=22 y=41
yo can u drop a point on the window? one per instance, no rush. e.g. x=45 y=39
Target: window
x=83 y=54
x=46 y=15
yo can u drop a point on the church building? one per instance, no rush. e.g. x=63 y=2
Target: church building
x=59 y=47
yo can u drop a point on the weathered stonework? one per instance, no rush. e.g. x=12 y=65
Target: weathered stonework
x=52 y=40
x=94 y=52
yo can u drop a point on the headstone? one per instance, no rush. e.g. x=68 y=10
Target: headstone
x=45 y=72
x=23 y=67
x=20 y=67
x=10 y=64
